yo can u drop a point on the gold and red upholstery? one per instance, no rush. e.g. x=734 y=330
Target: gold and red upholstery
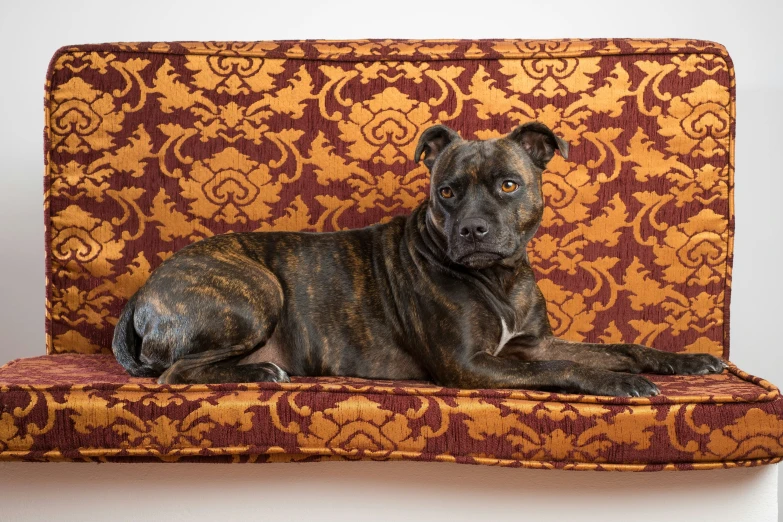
x=151 y=146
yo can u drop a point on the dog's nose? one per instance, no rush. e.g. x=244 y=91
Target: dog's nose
x=475 y=228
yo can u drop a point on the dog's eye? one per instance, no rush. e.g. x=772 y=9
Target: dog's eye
x=446 y=193
x=509 y=186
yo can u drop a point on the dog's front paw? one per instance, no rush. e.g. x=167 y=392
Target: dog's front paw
x=690 y=364
x=622 y=385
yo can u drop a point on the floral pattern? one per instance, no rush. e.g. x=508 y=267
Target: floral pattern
x=153 y=146
x=78 y=406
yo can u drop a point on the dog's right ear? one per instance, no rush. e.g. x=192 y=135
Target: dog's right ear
x=432 y=142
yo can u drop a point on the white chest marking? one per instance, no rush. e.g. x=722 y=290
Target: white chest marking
x=505 y=336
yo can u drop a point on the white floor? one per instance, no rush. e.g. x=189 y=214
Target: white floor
x=378 y=492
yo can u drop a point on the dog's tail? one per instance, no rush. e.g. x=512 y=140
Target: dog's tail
x=126 y=344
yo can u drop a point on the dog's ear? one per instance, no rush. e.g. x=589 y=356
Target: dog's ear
x=432 y=142
x=539 y=142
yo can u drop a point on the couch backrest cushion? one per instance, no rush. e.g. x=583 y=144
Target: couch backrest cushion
x=152 y=146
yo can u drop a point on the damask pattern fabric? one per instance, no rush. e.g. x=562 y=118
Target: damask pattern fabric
x=85 y=407
x=151 y=146
x=154 y=146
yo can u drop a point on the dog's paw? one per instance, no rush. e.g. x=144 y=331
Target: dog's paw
x=274 y=373
x=690 y=364
x=623 y=385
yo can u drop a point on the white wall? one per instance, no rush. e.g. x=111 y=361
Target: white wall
x=30 y=32
x=377 y=492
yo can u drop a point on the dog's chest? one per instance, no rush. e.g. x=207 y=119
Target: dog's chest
x=506 y=335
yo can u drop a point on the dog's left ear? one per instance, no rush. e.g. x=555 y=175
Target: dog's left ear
x=539 y=142
x=432 y=142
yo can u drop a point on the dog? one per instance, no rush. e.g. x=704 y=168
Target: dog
x=444 y=294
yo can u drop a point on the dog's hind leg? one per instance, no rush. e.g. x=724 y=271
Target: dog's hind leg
x=220 y=366
x=202 y=314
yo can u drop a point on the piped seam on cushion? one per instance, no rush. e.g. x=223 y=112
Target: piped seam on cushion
x=391 y=455
x=708 y=47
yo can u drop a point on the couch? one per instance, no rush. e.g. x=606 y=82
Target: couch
x=152 y=146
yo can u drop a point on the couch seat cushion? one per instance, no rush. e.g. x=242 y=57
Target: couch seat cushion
x=85 y=407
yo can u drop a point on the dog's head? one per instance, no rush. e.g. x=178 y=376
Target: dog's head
x=485 y=196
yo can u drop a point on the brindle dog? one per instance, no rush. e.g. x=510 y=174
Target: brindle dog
x=445 y=294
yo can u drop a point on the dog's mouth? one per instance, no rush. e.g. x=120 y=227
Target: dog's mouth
x=477 y=260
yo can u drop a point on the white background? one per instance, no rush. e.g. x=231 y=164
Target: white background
x=31 y=31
